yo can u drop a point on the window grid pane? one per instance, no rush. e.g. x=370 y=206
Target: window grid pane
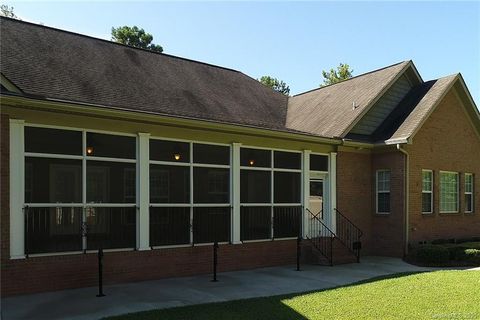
x=448 y=192
x=468 y=192
x=426 y=180
x=57 y=141
x=468 y=182
x=383 y=191
x=427 y=195
x=111 y=146
x=383 y=181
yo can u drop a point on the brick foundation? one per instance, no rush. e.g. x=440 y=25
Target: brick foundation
x=36 y=274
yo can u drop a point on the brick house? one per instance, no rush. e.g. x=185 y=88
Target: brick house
x=153 y=157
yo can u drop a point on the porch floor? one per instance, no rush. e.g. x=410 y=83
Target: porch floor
x=133 y=297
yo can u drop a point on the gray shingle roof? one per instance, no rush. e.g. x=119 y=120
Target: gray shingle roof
x=329 y=111
x=62 y=65
x=49 y=63
x=424 y=99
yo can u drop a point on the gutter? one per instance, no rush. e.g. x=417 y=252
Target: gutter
x=79 y=108
x=406 y=198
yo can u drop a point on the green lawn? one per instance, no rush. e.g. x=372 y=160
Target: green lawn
x=432 y=295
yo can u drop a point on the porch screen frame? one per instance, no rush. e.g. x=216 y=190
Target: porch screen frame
x=272 y=204
x=191 y=165
x=83 y=204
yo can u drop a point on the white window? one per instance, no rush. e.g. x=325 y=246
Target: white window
x=449 y=192
x=383 y=191
x=427 y=191
x=468 y=192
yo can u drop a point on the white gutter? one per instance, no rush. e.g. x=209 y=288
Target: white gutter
x=406 y=198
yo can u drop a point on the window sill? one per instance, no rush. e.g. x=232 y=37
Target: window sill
x=449 y=213
x=382 y=213
x=428 y=214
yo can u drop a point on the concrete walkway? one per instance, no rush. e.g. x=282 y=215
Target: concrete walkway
x=79 y=304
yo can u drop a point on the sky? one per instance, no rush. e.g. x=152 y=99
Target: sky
x=292 y=41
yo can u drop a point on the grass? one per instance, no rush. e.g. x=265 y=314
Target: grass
x=429 y=295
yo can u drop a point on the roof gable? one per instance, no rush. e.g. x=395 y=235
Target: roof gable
x=415 y=109
x=383 y=107
x=332 y=110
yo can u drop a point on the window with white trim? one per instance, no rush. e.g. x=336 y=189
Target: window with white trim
x=270 y=194
x=189 y=193
x=469 y=192
x=383 y=191
x=79 y=190
x=449 y=192
x=427 y=191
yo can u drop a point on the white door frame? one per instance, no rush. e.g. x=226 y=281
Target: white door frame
x=317 y=176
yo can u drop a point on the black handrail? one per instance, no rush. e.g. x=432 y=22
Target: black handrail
x=321 y=236
x=348 y=233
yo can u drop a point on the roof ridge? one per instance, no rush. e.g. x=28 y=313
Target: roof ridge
x=358 y=76
x=116 y=43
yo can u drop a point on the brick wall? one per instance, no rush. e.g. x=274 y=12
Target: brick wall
x=447 y=141
x=36 y=274
x=383 y=234
x=388 y=229
x=354 y=192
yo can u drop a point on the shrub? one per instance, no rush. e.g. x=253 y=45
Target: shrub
x=472 y=255
x=432 y=254
x=443 y=241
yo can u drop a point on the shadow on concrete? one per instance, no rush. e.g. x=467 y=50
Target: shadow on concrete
x=263 y=308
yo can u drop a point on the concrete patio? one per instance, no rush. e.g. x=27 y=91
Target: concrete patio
x=132 y=297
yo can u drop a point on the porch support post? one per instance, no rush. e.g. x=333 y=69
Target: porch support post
x=17 y=189
x=333 y=191
x=143 y=191
x=236 y=193
x=306 y=191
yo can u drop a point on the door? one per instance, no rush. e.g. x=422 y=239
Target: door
x=316 y=200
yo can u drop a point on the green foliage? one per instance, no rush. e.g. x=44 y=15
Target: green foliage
x=275 y=84
x=135 y=37
x=342 y=73
x=466 y=253
x=428 y=295
x=432 y=254
x=472 y=255
x=7 y=11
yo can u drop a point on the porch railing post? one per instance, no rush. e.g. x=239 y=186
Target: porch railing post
x=215 y=261
x=299 y=248
x=100 y=273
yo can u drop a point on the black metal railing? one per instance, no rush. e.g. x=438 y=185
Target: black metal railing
x=320 y=236
x=62 y=228
x=111 y=228
x=286 y=221
x=211 y=224
x=53 y=229
x=348 y=233
x=169 y=226
x=255 y=222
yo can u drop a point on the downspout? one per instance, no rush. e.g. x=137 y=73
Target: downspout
x=406 y=198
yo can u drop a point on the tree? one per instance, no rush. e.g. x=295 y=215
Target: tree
x=7 y=11
x=135 y=37
x=275 y=84
x=342 y=73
